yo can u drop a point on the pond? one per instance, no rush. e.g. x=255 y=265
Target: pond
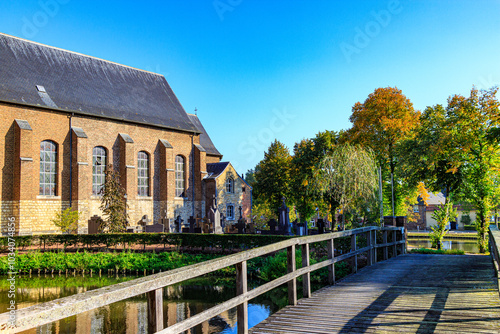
x=467 y=245
x=130 y=316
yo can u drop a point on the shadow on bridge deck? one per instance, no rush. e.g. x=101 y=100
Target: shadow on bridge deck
x=410 y=294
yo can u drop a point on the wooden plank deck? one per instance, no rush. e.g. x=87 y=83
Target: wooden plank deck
x=408 y=294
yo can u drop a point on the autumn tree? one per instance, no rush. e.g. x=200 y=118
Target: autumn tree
x=113 y=202
x=272 y=175
x=348 y=176
x=380 y=123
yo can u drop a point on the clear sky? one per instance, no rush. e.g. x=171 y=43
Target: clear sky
x=257 y=70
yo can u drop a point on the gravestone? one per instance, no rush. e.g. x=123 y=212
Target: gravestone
x=94 y=225
x=166 y=222
x=272 y=225
x=284 y=219
x=301 y=229
x=241 y=224
x=192 y=224
x=205 y=225
x=145 y=220
x=321 y=226
x=178 y=224
x=215 y=217
x=251 y=228
x=155 y=228
x=295 y=227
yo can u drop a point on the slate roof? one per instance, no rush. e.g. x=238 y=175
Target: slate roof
x=43 y=76
x=215 y=169
x=434 y=199
x=205 y=140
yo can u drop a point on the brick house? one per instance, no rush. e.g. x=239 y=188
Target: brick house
x=425 y=220
x=230 y=190
x=66 y=116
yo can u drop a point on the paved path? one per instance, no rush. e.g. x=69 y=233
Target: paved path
x=408 y=294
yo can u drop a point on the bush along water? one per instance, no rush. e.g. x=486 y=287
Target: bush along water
x=265 y=268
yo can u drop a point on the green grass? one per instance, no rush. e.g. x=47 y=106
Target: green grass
x=435 y=251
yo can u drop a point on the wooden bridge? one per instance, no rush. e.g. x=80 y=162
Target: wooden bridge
x=394 y=292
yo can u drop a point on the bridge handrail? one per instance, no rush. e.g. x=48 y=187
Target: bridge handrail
x=153 y=285
x=494 y=244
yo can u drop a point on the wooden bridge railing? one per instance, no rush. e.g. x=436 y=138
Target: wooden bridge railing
x=153 y=285
x=494 y=244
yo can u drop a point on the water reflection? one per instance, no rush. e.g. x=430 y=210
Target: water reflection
x=130 y=316
x=467 y=245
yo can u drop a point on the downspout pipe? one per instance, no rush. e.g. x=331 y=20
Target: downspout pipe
x=71 y=160
x=192 y=173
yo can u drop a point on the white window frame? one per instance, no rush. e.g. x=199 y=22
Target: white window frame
x=230 y=185
x=143 y=174
x=228 y=211
x=100 y=154
x=48 y=168
x=180 y=176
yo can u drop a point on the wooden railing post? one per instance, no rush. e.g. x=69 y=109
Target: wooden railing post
x=155 y=310
x=306 y=278
x=403 y=237
x=386 y=249
x=242 y=288
x=395 y=246
x=331 y=254
x=369 y=244
x=292 y=284
x=353 y=249
x=374 y=243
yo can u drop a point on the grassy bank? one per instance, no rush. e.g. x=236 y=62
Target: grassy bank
x=265 y=268
x=435 y=251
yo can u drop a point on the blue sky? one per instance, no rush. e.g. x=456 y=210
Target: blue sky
x=258 y=70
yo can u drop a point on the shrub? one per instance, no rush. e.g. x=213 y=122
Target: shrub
x=465 y=219
x=67 y=220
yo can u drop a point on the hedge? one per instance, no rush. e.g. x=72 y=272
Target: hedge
x=217 y=241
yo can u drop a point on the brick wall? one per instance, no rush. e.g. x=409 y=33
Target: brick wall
x=20 y=161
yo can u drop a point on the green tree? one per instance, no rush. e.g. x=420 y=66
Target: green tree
x=302 y=169
x=428 y=156
x=272 y=176
x=443 y=215
x=113 y=203
x=474 y=123
x=348 y=176
x=308 y=154
x=67 y=220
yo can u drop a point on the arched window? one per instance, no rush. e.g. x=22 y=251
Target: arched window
x=48 y=168
x=180 y=183
x=230 y=212
x=143 y=174
x=230 y=185
x=98 y=168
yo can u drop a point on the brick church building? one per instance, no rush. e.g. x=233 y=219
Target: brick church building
x=66 y=116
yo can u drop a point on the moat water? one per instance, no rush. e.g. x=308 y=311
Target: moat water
x=130 y=316
x=467 y=245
